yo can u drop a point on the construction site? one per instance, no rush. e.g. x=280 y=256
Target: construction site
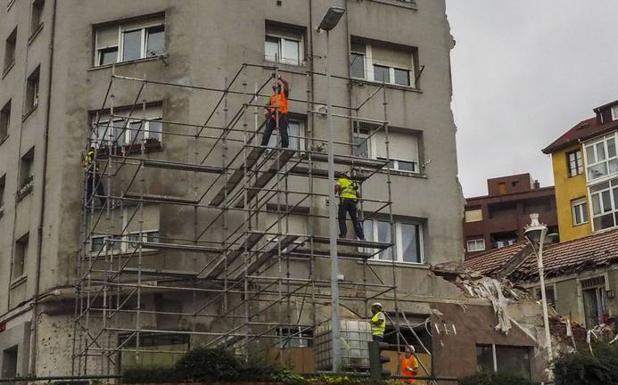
x=170 y=226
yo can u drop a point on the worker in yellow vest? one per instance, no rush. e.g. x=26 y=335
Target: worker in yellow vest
x=347 y=189
x=277 y=113
x=93 y=178
x=378 y=322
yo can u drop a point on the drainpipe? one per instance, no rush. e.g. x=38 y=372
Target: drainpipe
x=37 y=283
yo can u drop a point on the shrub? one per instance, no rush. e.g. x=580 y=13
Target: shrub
x=149 y=375
x=494 y=379
x=208 y=365
x=584 y=368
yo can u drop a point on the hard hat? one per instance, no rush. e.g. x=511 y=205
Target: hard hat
x=411 y=349
x=377 y=304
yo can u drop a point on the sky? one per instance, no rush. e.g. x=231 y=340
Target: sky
x=524 y=72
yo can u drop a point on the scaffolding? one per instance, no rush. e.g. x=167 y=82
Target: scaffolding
x=239 y=239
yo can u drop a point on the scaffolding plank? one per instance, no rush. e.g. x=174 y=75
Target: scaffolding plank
x=181 y=247
x=300 y=170
x=159 y=273
x=353 y=243
x=160 y=198
x=170 y=165
x=237 y=175
x=348 y=160
x=265 y=256
x=253 y=238
x=306 y=253
x=266 y=176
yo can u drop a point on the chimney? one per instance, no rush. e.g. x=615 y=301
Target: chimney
x=536 y=185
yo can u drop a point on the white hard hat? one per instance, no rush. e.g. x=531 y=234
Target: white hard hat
x=411 y=349
x=377 y=304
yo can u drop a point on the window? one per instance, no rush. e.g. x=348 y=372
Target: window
x=25 y=168
x=9 y=362
x=5 y=120
x=19 y=257
x=404 y=150
x=604 y=200
x=9 y=50
x=601 y=158
x=129 y=41
x=475 y=215
x=32 y=90
x=550 y=294
x=283 y=45
x=361 y=145
x=296 y=132
x=576 y=163
x=383 y=63
x=37 y=13
x=141 y=128
x=595 y=301
x=297 y=337
x=408 y=242
x=147 y=236
x=615 y=112
x=2 y=188
x=580 y=211
x=504 y=359
x=505 y=242
x=129 y=244
x=475 y=245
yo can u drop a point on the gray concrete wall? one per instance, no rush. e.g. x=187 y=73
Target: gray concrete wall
x=206 y=43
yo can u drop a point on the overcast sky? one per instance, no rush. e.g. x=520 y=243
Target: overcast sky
x=525 y=71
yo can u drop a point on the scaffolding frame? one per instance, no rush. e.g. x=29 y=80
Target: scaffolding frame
x=248 y=269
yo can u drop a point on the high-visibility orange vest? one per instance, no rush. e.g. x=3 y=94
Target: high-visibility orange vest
x=408 y=368
x=281 y=101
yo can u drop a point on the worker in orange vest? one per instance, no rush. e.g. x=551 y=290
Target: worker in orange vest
x=409 y=365
x=277 y=113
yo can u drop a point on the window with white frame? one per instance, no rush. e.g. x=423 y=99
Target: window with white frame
x=575 y=163
x=404 y=147
x=604 y=201
x=615 y=112
x=284 y=45
x=601 y=157
x=144 y=126
x=383 y=63
x=127 y=41
x=296 y=134
x=129 y=243
x=474 y=245
x=407 y=243
x=579 y=208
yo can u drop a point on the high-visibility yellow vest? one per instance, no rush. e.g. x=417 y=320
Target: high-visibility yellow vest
x=88 y=159
x=348 y=188
x=378 y=324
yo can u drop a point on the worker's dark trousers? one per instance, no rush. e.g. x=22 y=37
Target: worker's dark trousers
x=347 y=205
x=94 y=182
x=283 y=130
x=378 y=338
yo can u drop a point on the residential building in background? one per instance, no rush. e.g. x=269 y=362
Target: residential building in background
x=200 y=237
x=497 y=219
x=585 y=167
x=581 y=275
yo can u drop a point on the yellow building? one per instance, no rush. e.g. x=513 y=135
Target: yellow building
x=584 y=160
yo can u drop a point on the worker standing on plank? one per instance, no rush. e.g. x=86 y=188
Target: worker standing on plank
x=347 y=189
x=277 y=113
x=93 y=179
x=409 y=365
x=378 y=322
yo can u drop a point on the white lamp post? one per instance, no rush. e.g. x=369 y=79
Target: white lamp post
x=535 y=233
x=330 y=21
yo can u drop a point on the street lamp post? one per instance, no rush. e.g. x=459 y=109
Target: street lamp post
x=330 y=21
x=535 y=233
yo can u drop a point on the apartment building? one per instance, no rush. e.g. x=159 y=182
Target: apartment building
x=497 y=219
x=199 y=236
x=585 y=167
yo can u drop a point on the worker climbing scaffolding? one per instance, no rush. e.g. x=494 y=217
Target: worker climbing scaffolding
x=277 y=113
x=349 y=194
x=93 y=178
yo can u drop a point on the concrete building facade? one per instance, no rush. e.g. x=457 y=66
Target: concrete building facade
x=59 y=58
x=497 y=220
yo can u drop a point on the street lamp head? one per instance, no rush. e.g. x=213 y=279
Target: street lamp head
x=331 y=19
x=535 y=232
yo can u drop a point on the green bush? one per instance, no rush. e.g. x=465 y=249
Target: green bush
x=494 y=379
x=149 y=375
x=584 y=368
x=208 y=365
